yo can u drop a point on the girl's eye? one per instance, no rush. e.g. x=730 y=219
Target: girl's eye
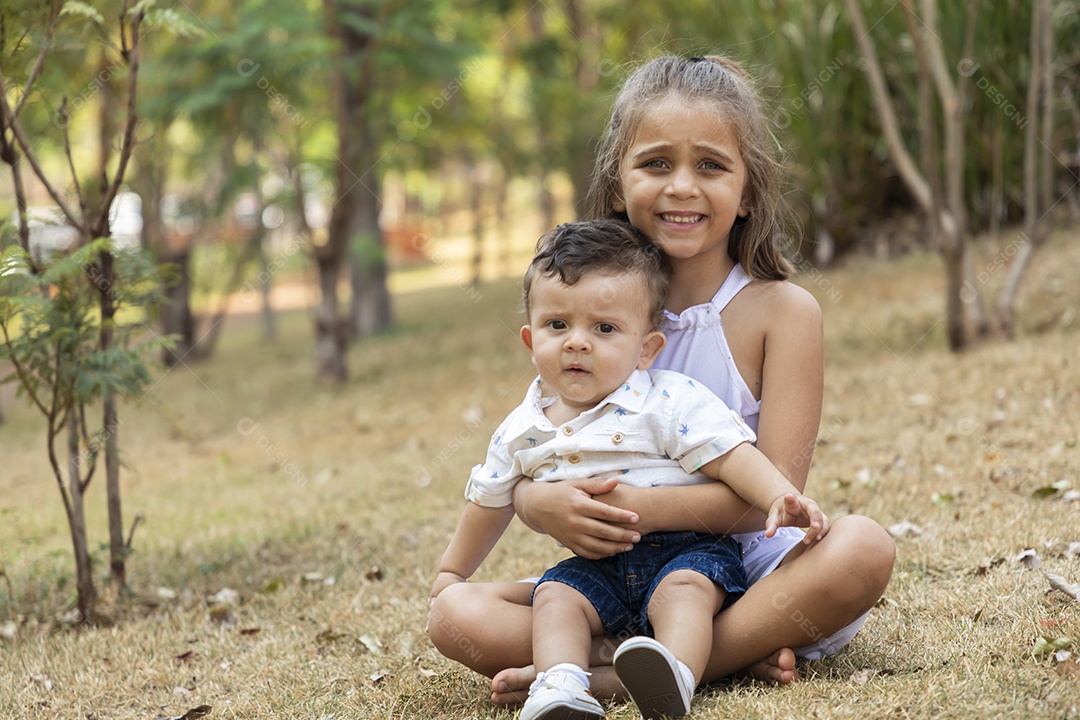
x=656 y=164
x=605 y=328
x=712 y=166
x=557 y=324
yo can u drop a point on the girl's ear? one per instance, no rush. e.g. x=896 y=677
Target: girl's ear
x=618 y=206
x=743 y=212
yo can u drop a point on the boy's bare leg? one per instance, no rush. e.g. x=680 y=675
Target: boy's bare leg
x=818 y=590
x=564 y=623
x=681 y=610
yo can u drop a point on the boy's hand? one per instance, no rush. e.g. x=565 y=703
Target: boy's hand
x=796 y=510
x=443 y=580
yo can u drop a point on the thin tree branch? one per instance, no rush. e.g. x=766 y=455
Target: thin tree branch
x=71 y=161
x=21 y=371
x=40 y=62
x=131 y=55
x=914 y=180
x=28 y=153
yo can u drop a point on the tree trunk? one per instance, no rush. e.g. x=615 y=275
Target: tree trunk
x=1035 y=203
x=502 y=223
x=329 y=327
x=354 y=218
x=370 y=302
x=588 y=78
x=76 y=512
x=106 y=284
x=476 y=205
x=176 y=316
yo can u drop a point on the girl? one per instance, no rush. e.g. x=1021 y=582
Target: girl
x=687 y=159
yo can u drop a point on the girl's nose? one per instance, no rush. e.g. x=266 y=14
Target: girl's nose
x=682 y=182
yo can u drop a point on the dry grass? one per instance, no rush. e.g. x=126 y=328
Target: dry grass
x=329 y=515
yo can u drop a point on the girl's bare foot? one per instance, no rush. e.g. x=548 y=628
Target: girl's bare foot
x=510 y=687
x=777 y=669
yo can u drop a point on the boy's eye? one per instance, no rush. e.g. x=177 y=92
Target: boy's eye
x=605 y=328
x=557 y=324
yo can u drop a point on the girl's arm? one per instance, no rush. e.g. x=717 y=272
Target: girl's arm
x=792 y=382
x=477 y=532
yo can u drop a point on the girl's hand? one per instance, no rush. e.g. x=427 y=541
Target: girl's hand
x=443 y=580
x=797 y=510
x=567 y=512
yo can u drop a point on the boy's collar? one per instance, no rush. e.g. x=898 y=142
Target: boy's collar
x=632 y=393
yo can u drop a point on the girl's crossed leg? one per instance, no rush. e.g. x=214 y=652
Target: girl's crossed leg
x=817 y=591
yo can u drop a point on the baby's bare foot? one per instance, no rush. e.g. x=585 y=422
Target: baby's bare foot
x=777 y=669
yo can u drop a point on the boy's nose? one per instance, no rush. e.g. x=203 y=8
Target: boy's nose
x=577 y=340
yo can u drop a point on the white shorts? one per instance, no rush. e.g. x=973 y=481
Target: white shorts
x=762 y=555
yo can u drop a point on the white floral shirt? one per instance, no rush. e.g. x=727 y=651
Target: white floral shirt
x=658 y=428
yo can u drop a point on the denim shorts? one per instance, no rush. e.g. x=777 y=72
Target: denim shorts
x=619 y=587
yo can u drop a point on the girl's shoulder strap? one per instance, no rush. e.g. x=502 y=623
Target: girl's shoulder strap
x=736 y=280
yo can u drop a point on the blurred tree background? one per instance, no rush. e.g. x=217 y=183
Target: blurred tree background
x=255 y=155
x=334 y=143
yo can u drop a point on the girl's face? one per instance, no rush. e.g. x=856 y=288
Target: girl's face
x=682 y=181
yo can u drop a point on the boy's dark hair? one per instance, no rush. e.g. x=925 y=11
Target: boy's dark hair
x=604 y=246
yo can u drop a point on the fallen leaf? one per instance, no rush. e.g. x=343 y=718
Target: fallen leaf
x=222 y=616
x=903 y=529
x=861 y=677
x=250 y=631
x=1029 y=558
x=8 y=629
x=43 y=680
x=1045 y=645
x=1068 y=667
x=942 y=499
x=1059 y=583
x=226 y=596
x=165 y=593
x=428 y=673
x=371 y=643
x=189 y=655
x=1073 y=550
x=378 y=675
x=329 y=636
x=194 y=713
x=312 y=577
x=272 y=585
x=373 y=573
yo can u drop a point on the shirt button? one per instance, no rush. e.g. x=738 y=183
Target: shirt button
x=568 y=430
x=575 y=459
x=616 y=438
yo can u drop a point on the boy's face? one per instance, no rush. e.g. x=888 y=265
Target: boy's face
x=588 y=337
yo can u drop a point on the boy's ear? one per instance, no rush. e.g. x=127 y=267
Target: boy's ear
x=651 y=346
x=526 y=336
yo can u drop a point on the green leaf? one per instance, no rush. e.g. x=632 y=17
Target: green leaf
x=14 y=262
x=173 y=23
x=1045 y=645
x=942 y=499
x=81 y=9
